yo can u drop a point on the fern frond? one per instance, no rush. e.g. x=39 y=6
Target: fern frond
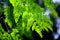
x=30 y=12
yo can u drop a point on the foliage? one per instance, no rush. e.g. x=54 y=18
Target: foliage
x=49 y=4
x=25 y=16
